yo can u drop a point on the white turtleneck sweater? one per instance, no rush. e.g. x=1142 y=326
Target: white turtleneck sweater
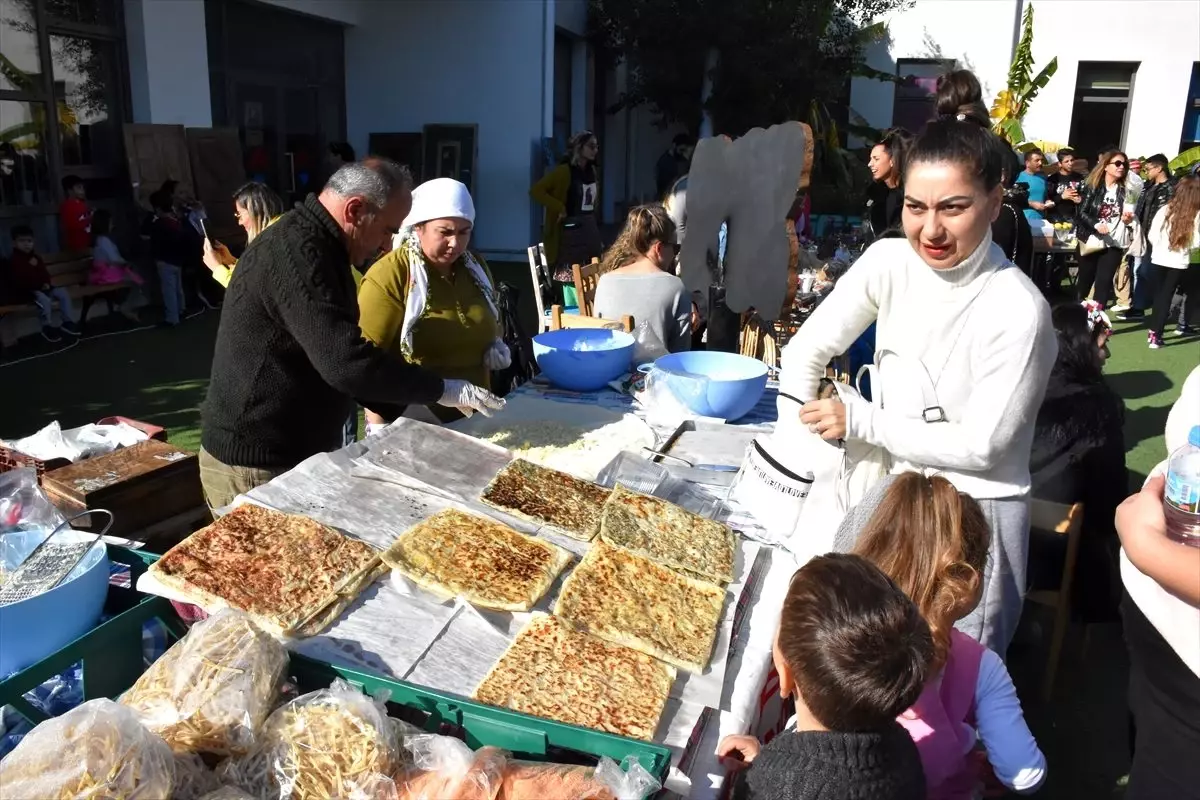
x=984 y=334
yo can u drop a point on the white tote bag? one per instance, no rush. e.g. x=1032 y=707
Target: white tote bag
x=768 y=489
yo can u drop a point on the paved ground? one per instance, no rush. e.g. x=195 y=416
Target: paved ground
x=160 y=376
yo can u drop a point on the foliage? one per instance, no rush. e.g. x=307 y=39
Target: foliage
x=78 y=57
x=1183 y=162
x=774 y=57
x=1012 y=103
x=777 y=60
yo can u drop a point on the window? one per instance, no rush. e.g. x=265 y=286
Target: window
x=24 y=176
x=1191 y=115
x=83 y=12
x=1101 y=111
x=61 y=104
x=914 y=98
x=84 y=79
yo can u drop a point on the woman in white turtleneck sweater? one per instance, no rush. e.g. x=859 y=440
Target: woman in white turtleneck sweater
x=948 y=298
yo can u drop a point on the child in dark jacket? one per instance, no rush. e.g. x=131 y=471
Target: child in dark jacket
x=29 y=281
x=854 y=652
x=174 y=248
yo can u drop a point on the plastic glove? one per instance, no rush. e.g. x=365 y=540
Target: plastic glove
x=497 y=356
x=467 y=397
x=375 y=427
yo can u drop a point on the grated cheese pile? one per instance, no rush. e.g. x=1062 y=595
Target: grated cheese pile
x=539 y=441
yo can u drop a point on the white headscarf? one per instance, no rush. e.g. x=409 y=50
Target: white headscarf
x=440 y=198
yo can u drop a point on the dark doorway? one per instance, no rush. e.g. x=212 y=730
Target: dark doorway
x=279 y=78
x=1101 y=112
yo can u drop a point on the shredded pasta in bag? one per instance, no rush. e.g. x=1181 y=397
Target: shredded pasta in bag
x=333 y=743
x=211 y=691
x=96 y=751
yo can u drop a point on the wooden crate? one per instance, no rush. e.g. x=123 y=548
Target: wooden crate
x=142 y=485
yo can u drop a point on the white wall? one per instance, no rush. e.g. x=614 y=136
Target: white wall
x=457 y=61
x=1164 y=35
x=168 y=62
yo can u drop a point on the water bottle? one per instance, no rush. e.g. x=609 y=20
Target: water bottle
x=1181 y=500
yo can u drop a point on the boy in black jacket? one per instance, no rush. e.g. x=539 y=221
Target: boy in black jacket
x=854 y=652
x=174 y=246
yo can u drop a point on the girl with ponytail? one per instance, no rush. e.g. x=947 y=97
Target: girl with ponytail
x=933 y=542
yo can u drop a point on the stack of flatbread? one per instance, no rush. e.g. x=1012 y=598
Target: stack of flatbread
x=556 y=672
x=632 y=601
x=544 y=496
x=294 y=576
x=662 y=531
x=490 y=565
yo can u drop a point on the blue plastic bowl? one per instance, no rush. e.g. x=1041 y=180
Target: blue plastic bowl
x=34 y=628
x=711 y=384
x=583 y=360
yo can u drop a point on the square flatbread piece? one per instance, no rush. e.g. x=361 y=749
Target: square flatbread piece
x=664 y=532
x=488 y=564
x=555 y=672
x=548 y=497
x=629 y=600
x=282 y=568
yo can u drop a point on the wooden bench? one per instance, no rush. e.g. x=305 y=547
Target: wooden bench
x=70 y=271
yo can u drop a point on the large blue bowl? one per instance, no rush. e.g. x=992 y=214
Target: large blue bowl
x=43 y=624
x=583 y=359
x=711 y=384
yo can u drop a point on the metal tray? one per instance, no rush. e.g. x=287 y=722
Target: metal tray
x=719 y=447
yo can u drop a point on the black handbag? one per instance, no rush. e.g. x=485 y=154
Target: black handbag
x=520 y=346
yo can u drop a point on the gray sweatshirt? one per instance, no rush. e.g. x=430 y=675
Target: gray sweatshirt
x=658 y=300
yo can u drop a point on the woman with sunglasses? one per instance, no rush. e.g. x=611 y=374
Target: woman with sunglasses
x=639 y=279
x=1100 y=210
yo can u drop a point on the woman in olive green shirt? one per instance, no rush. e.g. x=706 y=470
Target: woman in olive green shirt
x=430 y=300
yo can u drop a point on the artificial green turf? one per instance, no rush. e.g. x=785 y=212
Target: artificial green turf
x=1149 y=381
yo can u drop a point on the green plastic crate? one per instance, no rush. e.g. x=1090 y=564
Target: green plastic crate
x=112 y=660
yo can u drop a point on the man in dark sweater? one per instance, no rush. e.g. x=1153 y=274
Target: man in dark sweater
x=290 y=360
x=854 y=652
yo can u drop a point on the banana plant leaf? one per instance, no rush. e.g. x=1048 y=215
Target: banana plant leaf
x=32 y=129
x=1182 y=162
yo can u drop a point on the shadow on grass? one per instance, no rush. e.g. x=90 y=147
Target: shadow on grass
x=1139 y=384
x=158 y=376
x=1145 y=423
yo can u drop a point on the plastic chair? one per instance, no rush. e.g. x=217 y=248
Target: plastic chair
x=561 y=321
x=1067 y=521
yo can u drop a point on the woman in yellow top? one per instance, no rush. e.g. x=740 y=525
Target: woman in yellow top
x=256 y=207
x=430 y=300
x=571 y=192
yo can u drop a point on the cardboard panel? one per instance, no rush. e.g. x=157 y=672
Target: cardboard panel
x=750 y=183
x=154 y=154
x=215 y=155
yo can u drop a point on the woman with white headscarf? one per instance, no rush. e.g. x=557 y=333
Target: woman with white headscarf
x=431 y=300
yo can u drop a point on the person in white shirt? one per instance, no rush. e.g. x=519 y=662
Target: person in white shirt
x=934 y=298
x=1161 y=615
x=1174 y=234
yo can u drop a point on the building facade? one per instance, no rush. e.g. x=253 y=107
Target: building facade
x=1128 y=70
x=481 y=90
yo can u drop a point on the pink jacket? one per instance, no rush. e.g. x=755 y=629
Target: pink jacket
x=942 y=723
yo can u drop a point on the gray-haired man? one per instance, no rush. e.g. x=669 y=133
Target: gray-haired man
x=290 y=360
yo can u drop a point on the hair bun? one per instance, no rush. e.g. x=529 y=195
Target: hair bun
x=960 y=97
